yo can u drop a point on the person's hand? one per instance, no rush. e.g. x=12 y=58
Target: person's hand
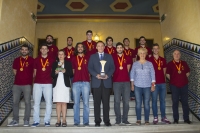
x=63 y=71
x=153 y=88
x=106 y=76
x=132 y=87
x=56 y=71
x=98 y=76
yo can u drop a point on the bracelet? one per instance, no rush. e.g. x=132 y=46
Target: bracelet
x=153 y=84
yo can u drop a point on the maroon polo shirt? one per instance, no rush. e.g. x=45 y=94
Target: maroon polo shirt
x=110 y=51
x=177 y=79
x=24 y=77
x=149 y=52
x=160 y=77
x=69 y=53
x=121 y=75
x=43 y=77
x=130 y=53
x=92 y=49
x=53 y=51
x=83 y=74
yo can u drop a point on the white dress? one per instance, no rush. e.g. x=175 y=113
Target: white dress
x=60 y=91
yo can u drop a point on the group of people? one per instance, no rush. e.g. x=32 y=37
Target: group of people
x=104 y=68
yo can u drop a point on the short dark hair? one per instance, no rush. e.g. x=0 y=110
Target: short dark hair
x=125 y=39
x=142 y=37
x=119 y=44
x=70 y=38
x=155 y=44
x=25 y=46
x=49 y=36
x=89 y=31
x=62 y=50
x=109 y=38
x=101 y=42
x=44 y=44
x=76 y=48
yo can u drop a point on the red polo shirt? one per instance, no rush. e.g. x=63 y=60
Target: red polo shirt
x=53 y=51
x=43 y=77
x=83 y=74
x=160 y=77
x=177 y=79
x=92 y=49
x=69 y=53
x=111 y=50
x=130 y=53
x=24 y=77
x=121 y=75
x=148 y=50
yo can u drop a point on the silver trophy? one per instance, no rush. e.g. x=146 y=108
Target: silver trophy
x=59 y=68
x=102 y=74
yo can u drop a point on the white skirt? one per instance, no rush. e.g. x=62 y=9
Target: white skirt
x=60 y=91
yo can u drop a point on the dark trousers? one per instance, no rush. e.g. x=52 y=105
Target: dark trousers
x=17 y=91
x=101 y=94
x=180 y=93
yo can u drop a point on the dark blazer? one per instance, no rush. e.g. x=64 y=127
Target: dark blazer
x=67 y=74
x=94 y=69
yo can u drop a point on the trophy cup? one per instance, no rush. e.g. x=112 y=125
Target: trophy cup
x=59 y=68
x=102 y=74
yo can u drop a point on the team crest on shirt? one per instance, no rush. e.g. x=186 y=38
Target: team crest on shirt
x=124 y=60
x=130 y=54
x=47 y=63
x=113 y=51
x=161 y=62
x=85 y=61
x=26 y=64
x=52 y=49
x=182 y=67
x=92 y=46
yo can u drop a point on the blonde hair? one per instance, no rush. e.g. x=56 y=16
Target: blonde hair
x=140 y=50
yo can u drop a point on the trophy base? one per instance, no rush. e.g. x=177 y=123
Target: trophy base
x=102 y=75
x=59 y=69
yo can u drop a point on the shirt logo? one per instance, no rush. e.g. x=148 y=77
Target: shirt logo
x=52 y=49
x=85 y=61
x=130 y=54
x=47 y=63
x=182 y=67
x=27 y=64
x=124 y=60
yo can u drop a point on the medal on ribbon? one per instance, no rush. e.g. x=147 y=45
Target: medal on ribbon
x=121 y=61
x=178 y=67
x=22 y=64
x=44 y=64
x=89 y=45
x=79 y=62
x=158 y=63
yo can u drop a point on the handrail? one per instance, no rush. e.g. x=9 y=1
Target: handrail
x=182 y=41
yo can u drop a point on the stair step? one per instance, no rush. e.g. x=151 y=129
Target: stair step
x=131 y=104
x=71 y=113
x=70 y=119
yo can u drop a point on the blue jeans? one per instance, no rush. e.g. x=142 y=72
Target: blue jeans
x=161 y=91
x=38 y=90
x=84 y=89
x=142 y=94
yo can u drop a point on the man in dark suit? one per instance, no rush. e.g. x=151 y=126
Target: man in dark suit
x=102 y=84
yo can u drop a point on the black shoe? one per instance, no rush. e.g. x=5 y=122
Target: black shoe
x=175 y=121
x=108 y=124
x=97 y=125
x=187 y=121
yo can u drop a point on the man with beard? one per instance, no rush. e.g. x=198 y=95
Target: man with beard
x=53 y=49
x=142 y=42
x=23 y=71
x=69 y=50
x=42 y=85
x=131 y=54
x=121 y=84
x=109 y=49
x=81 y=84
x=101 y=82
x=89 y=44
